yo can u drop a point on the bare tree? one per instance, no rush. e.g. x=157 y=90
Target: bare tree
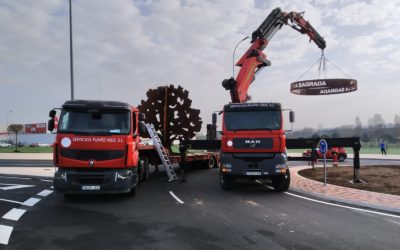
x=358 y=127
x=169 y=110
x=397 y=125
x=376 y=126
x=15 y=128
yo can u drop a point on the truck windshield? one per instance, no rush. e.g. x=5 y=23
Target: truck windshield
x=252 y=120
x=94 y=121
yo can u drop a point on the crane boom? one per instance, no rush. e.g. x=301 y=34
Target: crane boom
x=254 y=59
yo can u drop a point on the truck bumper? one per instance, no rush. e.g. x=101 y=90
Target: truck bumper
x=85 y=181
x=254 y=165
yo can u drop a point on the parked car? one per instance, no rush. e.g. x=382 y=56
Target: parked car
x=341 y=153
x=41 y=144
x=5 y=145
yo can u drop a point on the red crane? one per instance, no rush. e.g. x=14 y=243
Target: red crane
x=254 y=59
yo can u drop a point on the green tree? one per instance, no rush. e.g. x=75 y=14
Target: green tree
x=15 y=128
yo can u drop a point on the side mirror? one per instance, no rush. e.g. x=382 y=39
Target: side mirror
x=52 y=113
x=214 y=119
x=142 y=128
x=291 y=116
x=142 y=117
x=50 y=125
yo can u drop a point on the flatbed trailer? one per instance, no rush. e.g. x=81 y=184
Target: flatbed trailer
x=206 y=159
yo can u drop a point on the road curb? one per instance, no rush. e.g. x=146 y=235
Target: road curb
x=336 y=200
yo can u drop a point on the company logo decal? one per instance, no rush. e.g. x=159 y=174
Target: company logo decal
x=252 y=142
x=91 y=163
x=66 y=142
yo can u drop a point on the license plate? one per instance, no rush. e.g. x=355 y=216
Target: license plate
x=87 y=188
x=252 y=172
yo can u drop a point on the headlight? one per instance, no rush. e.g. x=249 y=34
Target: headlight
x=63 y=176
x=229 y=143
x=226 y=165
x=280 y=166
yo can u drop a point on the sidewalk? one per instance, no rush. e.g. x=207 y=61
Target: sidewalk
x=26 y=156
x=352 y=196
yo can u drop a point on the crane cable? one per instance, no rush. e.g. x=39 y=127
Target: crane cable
x=322 y=67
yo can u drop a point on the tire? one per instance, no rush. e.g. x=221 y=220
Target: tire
x=226 y=181
x=146 y=169
x=341 y=158
x=281 y=183
x=212 y=162
x=132 y=193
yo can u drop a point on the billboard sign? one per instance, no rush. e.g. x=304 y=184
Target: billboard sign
x=35 y=128
x=323 y=86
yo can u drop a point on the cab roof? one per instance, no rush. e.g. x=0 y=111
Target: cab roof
x=258 y=106
x=94 y=104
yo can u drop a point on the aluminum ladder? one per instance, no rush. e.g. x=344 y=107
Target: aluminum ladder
x=161 y=152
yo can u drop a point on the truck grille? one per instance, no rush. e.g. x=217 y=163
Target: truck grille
x=85 y=155
x=253 y=143
x=87 y=179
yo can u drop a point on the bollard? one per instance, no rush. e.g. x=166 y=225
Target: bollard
x=335 y=160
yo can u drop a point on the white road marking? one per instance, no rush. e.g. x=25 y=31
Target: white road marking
x=343 y=206
x=5 y=233
x=10 y=201
x=335 y=205
x=14 y=214
x=30 y=202
x=45 y=192
x=46 y=180
x=176 y=197
x=14 y=186
x=13 y=177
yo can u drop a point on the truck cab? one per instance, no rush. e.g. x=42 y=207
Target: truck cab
x=96 y=147
x=254 y=144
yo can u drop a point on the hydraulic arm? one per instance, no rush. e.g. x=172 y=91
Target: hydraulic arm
x=254 y=59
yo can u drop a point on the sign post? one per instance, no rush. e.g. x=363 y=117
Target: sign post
x=323 y=147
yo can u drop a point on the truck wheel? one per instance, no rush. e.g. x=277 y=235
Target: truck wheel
x=341 y=158
x=226 y=181
x=212 y=162
x=145 y=168
x=281 y=183
x=132 y=192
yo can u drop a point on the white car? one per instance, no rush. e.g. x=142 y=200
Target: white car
x=5 y=145
x=41 y=144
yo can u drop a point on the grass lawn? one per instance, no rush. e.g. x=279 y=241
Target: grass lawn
x=28 y=150
x=364 y=150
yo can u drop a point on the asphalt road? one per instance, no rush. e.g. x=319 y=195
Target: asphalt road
x=201 y=216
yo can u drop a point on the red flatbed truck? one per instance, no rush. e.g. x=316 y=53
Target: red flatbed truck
x=98 y=148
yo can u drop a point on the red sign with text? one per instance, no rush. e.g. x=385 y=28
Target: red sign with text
x=36 y=128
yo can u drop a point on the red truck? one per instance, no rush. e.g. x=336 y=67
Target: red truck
x=98 y=148
x=253 y=144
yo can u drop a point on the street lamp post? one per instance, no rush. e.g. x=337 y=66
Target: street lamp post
x=71 y=54
x=233 y=56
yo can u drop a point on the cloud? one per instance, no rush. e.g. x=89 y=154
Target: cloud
x=122 y=48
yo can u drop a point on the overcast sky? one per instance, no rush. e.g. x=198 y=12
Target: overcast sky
x=124 y=47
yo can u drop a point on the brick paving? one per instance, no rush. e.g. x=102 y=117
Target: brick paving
x=343 y=194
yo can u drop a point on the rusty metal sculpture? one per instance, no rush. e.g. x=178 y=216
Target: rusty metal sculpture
x=169 y=110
